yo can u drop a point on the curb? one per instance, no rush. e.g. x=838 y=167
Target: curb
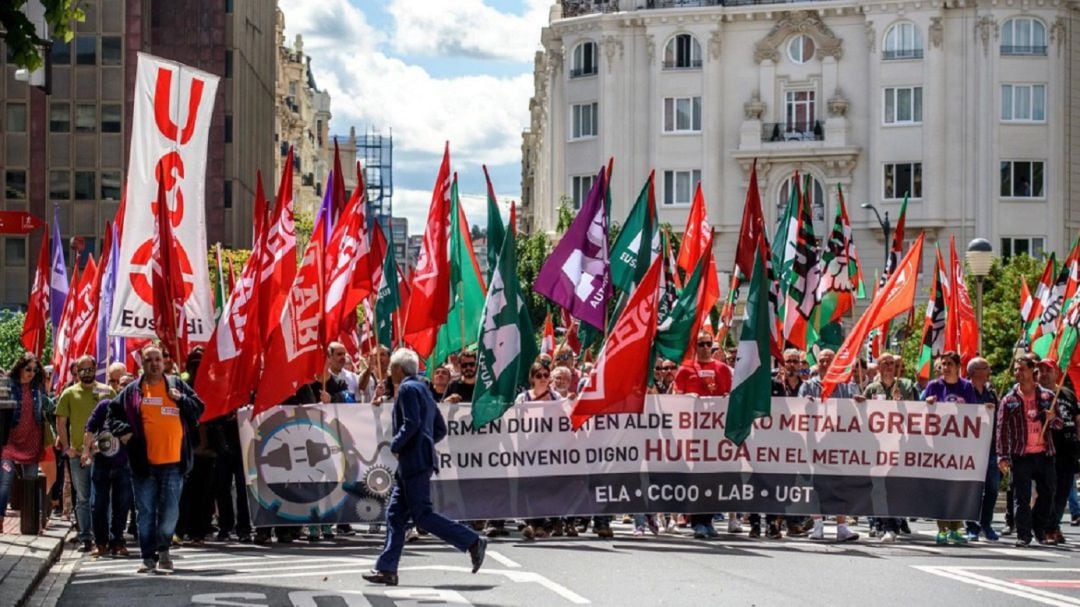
x=46 y=564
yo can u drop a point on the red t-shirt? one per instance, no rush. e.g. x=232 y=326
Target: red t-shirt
x=1036 y=439
x=712 y=378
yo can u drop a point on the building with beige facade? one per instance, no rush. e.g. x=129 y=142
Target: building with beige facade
x=971 y=107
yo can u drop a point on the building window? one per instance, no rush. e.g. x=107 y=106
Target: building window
x=583 y=61
x=1023 y=179
x=226 y=194
x=228 y=128
x=682 y=114
x=59 y=185
x=111 y=118
x=585 y=120
x=1023 y=102
x=682 y=52
x=86 y=50
x=679 y=186
x=903 y=41
x=112 y=50
x=801 y=49
x=14 y=252
x=15 y=184
x=1028 y=245
x=228 y=64
x=579 y=188
x=229 y=6
x=903 y=105
x=903 y=179
x=85 y=118
x=85 y=185
x=817 y=199
x=60 y=118
x=1023 y=36
x=800 y=111
x=15 y=118
x=60 y=53
x=110 y=185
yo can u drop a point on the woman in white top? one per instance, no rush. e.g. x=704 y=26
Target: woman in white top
x=540 y=387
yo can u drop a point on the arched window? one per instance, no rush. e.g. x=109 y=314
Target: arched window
x=682 y=52
x=801 y=49
x=1023 y=36
x=903 y=41
x=817 y=199
x=584 y=59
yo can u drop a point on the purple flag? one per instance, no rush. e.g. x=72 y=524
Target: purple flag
x=326 y=211
x=108 y=350
x=577 y=275
x=58 y=278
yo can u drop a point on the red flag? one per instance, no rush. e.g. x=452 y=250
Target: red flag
x=230 y=365
x=261 y=210
x=513 y=220
x=167 y=281
x=618 y=382
x=84 y=314
x=62 y=339
x=1027 y=304
x=430 y=300
x=967 y=327
x=348 y=271
x=337 y=195
x=752 y=229
x=277 y=268
x=293 y=356
x=37 y=309
x=547 y=343
x=85 y=334
x=696 y=236
x=894 y=298
x=232 y=276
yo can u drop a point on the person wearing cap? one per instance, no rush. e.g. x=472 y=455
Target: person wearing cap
x=1066 y=447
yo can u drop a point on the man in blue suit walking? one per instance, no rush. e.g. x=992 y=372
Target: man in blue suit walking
x=418 y=425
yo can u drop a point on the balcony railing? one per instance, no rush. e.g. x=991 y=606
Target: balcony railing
x=580 y=72
x=900 y=54
x=692 y=64
x=574 y=8
x=793 y=131
x=1029 y=50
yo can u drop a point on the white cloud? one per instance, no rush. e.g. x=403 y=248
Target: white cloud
x=413 y=204
x=467 y=28
x=482 y=116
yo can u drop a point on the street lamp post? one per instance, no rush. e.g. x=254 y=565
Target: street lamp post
x=980 y=257
x=886 y=229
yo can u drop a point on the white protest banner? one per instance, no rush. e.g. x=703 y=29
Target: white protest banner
x=170 y=128
x=878 y=458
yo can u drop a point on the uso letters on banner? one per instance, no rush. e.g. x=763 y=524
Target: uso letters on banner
x=879 y=458
x=170 y=127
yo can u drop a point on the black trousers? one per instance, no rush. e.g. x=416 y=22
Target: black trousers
x=230 y=473
x=1064 y=477
x=1026 y=469
x=197 y=500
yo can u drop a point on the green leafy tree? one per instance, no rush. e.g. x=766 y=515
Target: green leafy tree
x=20 y=36
x=305 y=226
x=532 y=251
x=566 y=215
x=11 y=324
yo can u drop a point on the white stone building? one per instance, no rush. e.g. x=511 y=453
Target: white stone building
x=971 y=106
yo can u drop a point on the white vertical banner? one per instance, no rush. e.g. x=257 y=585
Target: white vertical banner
x=170 y=127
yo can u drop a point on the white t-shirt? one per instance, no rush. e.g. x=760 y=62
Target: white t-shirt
x=351 y=380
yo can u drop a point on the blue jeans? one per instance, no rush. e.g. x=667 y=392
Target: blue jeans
x=7 y=475
x=1074 y=502
x=80 y=480
x=157 y=503
x=111 y=488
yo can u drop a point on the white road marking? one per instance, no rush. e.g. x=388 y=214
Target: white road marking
x=503 y=559
x=514 y=576
x=1032 y=594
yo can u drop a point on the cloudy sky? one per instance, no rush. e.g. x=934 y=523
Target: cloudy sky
x=432 y=71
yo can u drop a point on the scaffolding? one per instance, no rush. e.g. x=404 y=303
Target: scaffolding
x=376 y=152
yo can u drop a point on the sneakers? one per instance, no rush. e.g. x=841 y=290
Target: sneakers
x=819 y=531
x=844 y=534
x=639 y=531
x=971 y=537
x=1075 y=521
x=670 y=527
x=148 y=566
x=1008 y=530
x=164 y=564
x=942 y=538
x=412 y=535
x=734 y=526
x=650 y=521
x=889 y=537
x=700 y=533
x=755 y=531
x=955 y=537
x=990 y=535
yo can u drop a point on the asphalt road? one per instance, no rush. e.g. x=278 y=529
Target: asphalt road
x=650 y=570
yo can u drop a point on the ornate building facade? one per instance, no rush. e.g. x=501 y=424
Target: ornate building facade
x=970 y=107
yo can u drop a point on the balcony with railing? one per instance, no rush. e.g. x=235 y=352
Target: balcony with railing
x=792 y=131
x=575 y=8
x=685 y=64
x=901 y=54
x=581 y=72
x=1024 y=51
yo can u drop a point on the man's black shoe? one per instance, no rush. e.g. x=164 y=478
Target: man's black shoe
x=381 y=577
x=476 y=553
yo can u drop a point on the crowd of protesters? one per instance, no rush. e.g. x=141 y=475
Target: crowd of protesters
x=137 y=461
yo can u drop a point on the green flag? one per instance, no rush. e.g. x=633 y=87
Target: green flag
x=466 y=288
x=219 y=284
x=785 y=242
x=674 y=333
x=637 y=243
x=388 y=299
x=495 y=231
x=506 y=346
x=751 y=392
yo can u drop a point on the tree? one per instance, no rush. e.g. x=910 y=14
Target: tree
x=21 y=37
x=566 y=214
x=304 y=226
x=532 y=251
x=11 y=347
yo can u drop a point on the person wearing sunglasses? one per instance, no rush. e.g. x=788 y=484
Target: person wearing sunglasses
x=461 y=389
x=663 y=377
x=72 y=412
x=25 y=432
x=540 y=390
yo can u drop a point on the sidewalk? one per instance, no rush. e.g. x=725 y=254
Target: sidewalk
x=24 y=559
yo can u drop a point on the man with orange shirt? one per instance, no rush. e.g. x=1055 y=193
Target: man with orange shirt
x=156 y=417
